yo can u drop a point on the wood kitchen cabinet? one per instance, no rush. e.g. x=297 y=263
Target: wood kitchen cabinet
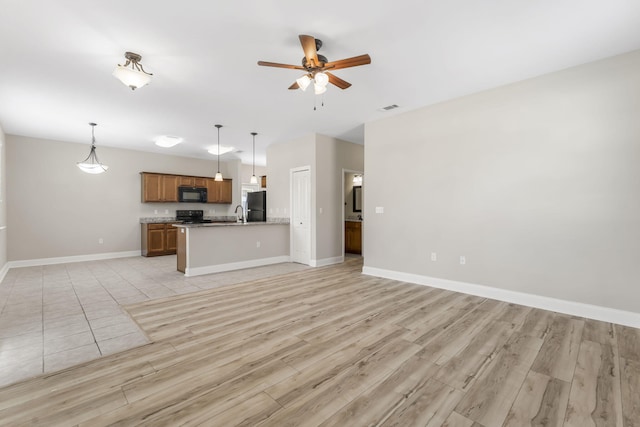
x=192 y=181
x=353 y=237
x=159 y=188
x=219 y=191
x=159 y=239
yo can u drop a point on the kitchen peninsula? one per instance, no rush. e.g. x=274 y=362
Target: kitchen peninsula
x=216 y=247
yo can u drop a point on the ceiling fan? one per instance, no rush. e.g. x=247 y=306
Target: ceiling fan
x=317 y=66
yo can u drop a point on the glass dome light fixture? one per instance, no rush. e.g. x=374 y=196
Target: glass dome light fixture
x=218 y=176
x=91 y=164
x=254 y=179
x=132 y=73
x=321 y=79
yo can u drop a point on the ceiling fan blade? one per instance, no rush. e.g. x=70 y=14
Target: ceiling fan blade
x=309 y=47
x=275 y=64
x=337 y=81
x=295 y=86
x=349 y=62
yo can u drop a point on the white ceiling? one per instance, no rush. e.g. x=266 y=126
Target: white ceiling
x=57 y=56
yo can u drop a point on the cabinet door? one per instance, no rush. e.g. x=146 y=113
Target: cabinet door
x=225 y=191
x=169 y=188
x=172 y=239
x=200 y=182
x=186 y=180
x=151 y=187
x=156 y=239
x=212 y=191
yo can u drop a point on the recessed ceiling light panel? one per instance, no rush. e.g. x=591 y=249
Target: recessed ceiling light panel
x=167 y=141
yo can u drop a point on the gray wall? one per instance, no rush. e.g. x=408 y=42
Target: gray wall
x=55 y=210
x=536 y=183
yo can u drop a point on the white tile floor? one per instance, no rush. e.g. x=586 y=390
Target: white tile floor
x=56 y=316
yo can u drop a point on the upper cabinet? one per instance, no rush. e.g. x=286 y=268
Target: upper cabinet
x=219 y=191
x=157 y=187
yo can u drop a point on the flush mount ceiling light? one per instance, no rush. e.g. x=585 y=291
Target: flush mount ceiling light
x=167 y=141
x=218 y=176
x=91 y=164
x=219 y=151
x=131 y=73
x=254 y=179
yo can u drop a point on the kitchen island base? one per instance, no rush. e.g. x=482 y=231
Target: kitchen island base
x=214 y=248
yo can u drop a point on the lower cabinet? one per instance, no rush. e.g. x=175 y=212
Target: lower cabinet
x=353 y=237
x=159 y=239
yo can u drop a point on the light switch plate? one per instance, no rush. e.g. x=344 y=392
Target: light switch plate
x=379 y=209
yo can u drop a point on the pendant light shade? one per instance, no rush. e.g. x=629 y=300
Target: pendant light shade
x=218 y=176
x=254 y=178
x=303 y=82
x=91 y=164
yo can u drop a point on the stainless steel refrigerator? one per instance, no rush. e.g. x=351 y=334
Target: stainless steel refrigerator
x=257 y=206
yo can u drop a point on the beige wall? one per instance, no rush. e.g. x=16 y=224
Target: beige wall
x=332 y=157
x=326 y=157
x=55 y=210
x=536 y=183
x=3 y=204
x=281 y=158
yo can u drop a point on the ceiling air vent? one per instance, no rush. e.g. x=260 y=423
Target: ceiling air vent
x=389 y=107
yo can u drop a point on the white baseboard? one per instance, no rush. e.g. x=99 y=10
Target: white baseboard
x=209 y=269
x=326 y=261
x=68 y=259
x=573 y=308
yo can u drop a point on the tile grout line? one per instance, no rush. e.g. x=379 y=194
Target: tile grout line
x=86 y=318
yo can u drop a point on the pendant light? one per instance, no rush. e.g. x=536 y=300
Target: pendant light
x=254 y=179
x=91 y=164
x=218 y=174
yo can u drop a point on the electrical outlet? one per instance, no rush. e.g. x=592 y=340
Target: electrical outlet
x=463 y=260
x=166 y=211
x=100 y=241
x=379 y=209
x=258 y=244
x=155 y=211
x=434 y=256
x=320 y=211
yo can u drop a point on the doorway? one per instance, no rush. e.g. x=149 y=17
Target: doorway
x=353 y=218
x=301 y=215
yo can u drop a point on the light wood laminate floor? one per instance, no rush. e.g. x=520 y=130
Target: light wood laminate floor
x=331 y=347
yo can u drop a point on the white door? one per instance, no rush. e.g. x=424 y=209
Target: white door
x=301 y=216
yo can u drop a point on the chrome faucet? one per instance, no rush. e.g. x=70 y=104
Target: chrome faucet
x=242 y=218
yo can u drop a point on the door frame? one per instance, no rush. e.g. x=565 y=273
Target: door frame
x=311 y=217
x=344 y=218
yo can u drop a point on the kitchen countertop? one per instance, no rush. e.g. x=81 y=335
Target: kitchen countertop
x=227 y=224
x=164 y=219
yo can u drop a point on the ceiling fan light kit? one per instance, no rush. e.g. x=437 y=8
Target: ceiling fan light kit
x=91 y=164
x=316 y=67
x=132 y=73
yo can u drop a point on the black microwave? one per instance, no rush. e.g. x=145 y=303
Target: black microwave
x=192 y=194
